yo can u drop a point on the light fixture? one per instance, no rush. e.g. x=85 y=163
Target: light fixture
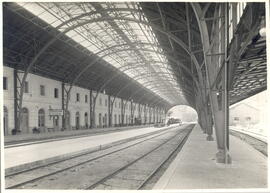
x=262 y=30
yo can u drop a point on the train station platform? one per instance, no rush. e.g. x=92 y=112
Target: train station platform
x=32 y=138
x=262 y=137
x=195 y=166
x=23 y=155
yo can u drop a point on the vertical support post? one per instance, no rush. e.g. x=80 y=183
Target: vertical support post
x=144 y=113
x=149 y=115
x=94 y=110
x=157 y=115
x=139 y=112
x=204 y=117
x=91 y=109
x=93 y=100
x=122 y=112
x=212 y=64
x=226 y=87
x=109 y=111
x=154 y=114
x=63 y=105
x=131 y=112
x=16 y=117
x=234 y=16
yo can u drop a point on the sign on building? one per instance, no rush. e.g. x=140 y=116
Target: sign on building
x=56 y=112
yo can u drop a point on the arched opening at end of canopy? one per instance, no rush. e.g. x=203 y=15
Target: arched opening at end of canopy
x=182 y=113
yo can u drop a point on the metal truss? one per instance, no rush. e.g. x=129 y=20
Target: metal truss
x=104 y=14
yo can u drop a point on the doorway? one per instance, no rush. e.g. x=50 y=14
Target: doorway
x=24 y=121
x=86 y=120
x=41 y=119
x=56 y=122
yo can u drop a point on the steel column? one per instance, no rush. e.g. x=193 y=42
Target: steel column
x=63 y=105
x=91 y=107
x=16 y=117
x=217 y=96
x=109 y=111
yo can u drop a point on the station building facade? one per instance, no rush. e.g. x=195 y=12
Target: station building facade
x=42 y=107
x=244 y=114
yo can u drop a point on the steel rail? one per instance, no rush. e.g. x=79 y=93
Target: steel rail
x=84 y=162
x=92 y=186
x=179 y=146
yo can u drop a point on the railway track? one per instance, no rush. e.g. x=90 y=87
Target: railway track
x=93 y=170
x=256 y=143
x=127 y=172
x=80 y=158
x=12 y=171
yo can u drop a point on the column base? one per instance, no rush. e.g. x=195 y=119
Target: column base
x=209 y=138
x=221 y=157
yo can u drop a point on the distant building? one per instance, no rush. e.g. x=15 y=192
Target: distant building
x=244 y=114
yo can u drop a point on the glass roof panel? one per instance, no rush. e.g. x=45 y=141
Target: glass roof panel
x=118 y=37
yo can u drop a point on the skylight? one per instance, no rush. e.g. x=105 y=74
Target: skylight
x=113 y=32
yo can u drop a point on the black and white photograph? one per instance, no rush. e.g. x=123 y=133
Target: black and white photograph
x=134 y=95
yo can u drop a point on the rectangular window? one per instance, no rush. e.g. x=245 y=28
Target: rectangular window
x=56 y=93
x=5 y=83
x=85 y=98
x=236 y=118
x=106 y=102
x=248 y=118
x=42 y=90
x=26 y=87
x=78 y=97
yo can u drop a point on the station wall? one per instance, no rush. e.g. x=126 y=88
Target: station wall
x=244 y=114
x=43 y=94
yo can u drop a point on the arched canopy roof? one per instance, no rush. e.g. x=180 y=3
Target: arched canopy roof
x=103 y=47
x=137 y=51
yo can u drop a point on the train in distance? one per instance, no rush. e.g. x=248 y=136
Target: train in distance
x=174 y=121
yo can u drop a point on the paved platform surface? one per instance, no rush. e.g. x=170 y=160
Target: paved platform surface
x=15 y=156
x=30 y=137
x=195 y=166
x=252 y=134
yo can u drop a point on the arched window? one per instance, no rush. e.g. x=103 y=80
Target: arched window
x=24 y=120
x=5 y=121
x=77 y=120
x=41 y=118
